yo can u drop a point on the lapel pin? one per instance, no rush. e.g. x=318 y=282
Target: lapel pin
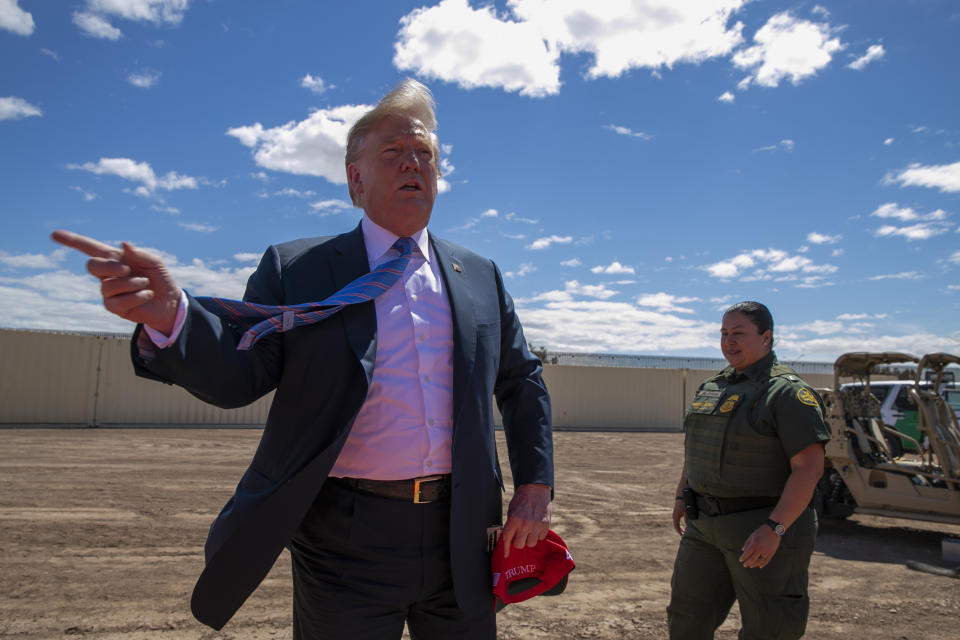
x=457 y=267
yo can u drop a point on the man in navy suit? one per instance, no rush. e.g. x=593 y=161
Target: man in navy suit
x=377 y=467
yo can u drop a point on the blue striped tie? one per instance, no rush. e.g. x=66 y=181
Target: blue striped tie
x=281 y=318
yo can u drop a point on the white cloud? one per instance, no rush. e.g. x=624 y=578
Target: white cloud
x=520 y=50
x=630 y=35
x=624 y=131
x=155 y=11
x=296 y=193
x=786 y=48
x=903 y=275
x=513 y=217
x=564 y=324
x=144 y=79
x=95 y=20
x=140 y=172
x=475 y=48
x=52 y=54
x=906 y=214
x=524 y=269
x=247 y=257
x=87 y=195
x=614 y=268
x=330 y=207
x=861 y=316
x=315 y=146
x=489 y=213
x=765 y=262
x=33 y=260
x=543 y=243
x=61 y=300
x=822 y=238
x=572 y=262
x=829 y=348
x=920 y=231
x=819 y=327
x=786 y=145
x=96 y=26
x=14 y=108
x=666 y=302
x=15 y=19
x=945 y=177
x=58 y=285
x=26 y=308
x=927 y=225
x=726 y=96
x=315 y=84
x=888 y=141
x=955 y=257
x=573 y=287
x=204 y=280
x=198 y=226
x=874 y=52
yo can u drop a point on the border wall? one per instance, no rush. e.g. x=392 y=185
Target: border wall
x=87 y=380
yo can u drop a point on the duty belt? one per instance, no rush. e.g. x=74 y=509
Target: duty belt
x=418 y=490
x=721 y=506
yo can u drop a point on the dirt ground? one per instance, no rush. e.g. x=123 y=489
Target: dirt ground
x=101 y=536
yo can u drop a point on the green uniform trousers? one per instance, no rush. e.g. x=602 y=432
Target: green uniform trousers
x=707 y=577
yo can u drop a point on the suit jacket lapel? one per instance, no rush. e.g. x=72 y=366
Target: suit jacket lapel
x=464 y=321
x=360 y=320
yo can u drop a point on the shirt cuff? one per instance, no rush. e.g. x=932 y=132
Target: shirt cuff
x=163 y=341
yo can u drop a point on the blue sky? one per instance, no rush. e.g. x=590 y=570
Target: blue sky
x=632 y=167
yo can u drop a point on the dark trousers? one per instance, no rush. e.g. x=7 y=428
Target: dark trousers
x=707 y=578
x=363 y=565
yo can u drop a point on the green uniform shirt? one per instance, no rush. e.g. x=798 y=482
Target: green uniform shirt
x=743 y=428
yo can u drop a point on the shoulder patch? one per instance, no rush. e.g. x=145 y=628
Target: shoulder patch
x=806 y=396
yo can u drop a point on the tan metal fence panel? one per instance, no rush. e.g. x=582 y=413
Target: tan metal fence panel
x=50 y=378
x=128 y=399
x=47 y=378
x=615 y=397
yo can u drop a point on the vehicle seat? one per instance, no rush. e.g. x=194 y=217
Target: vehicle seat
x=939 y=424
x=870 y=440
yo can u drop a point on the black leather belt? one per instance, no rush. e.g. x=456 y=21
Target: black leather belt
x=721 y=506
x=418 y=490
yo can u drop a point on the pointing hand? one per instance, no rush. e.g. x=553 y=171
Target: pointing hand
x=135 y=283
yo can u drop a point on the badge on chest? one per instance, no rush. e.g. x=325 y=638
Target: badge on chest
x=715 y=402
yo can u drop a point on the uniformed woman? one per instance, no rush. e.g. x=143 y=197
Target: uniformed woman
x=753 y=455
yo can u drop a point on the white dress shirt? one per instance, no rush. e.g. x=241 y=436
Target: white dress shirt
x=405 y=427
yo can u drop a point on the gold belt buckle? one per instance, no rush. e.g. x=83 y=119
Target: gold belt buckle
x=416 y=489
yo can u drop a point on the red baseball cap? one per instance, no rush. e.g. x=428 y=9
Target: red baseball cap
x=530 y=571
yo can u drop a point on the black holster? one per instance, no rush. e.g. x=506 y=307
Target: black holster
x=690 y=503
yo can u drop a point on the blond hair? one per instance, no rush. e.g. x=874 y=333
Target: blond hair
x=408 y=98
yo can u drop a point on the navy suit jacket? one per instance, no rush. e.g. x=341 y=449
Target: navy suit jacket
x=321 y=374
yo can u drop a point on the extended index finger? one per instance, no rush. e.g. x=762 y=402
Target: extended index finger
x=89 y=246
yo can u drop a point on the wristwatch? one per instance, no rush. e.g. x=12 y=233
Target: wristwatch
x=777 y=527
